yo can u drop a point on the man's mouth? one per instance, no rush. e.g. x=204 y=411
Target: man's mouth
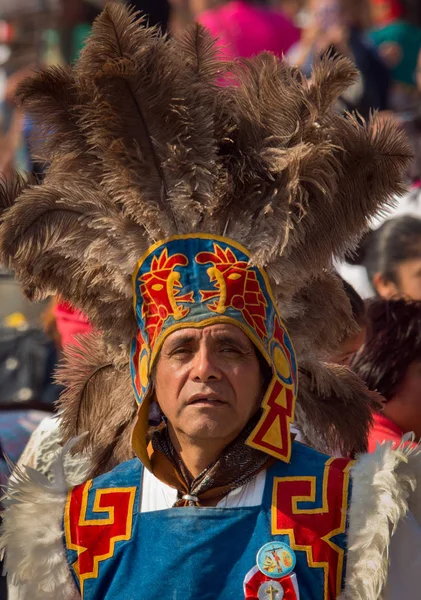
x=206 y=400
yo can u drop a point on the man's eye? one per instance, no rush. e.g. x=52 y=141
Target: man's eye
x=230 y=349
x=180 y=351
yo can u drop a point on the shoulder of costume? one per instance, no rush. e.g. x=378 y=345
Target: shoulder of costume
x=307 y=461
x=123 y=481
x=125 y=474
x=302 y=452
x=32 y=520
x=386 y=486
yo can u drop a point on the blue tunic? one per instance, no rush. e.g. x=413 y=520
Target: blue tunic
x=117 y=552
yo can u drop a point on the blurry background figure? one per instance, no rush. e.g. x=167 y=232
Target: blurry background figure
x=75 y=22
x=157 y=11
x=352 y=343
x=27 y=389
x=247 y=27
x=33 y=438
x=62 y=323
x=399 y=42
x=77 y=16
x=16 y=426
x=339 y=26
x=384 y=12
x=389 y=260
x=296 y=10
x=390 y=362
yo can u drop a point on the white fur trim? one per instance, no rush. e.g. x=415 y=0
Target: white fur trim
x=383 y=483
x=412 y=469
x=32 y=534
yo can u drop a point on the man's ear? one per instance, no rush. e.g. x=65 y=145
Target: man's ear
x=385 y=289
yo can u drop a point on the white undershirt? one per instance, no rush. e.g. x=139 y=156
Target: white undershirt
x=157 y=495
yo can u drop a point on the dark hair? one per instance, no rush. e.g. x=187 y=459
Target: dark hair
x=357 y=303
x=393 y=342
x=411 y=11
x=382 y=250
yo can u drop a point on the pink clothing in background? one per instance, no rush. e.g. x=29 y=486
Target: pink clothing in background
x=70 y=322
x=244 y=29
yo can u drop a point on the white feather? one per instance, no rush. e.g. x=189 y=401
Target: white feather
x=383 y=484
x=32 y=534
x=412 y=469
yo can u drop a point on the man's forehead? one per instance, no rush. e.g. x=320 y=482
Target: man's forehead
x=216 y=331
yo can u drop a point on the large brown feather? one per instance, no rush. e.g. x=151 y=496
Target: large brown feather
x=98 y=399
x=334 y=409
x=54 y=100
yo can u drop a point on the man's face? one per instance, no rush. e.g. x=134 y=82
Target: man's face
x=208 y=382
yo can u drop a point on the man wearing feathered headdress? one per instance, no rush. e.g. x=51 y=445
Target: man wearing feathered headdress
x=195 y=224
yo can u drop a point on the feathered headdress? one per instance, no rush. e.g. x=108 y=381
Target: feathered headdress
x=143 y=143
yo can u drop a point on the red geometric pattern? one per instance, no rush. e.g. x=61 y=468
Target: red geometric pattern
x=95 y=539
x=312 y=529
x=278 y=407
x=160 y=289
x=236 y=286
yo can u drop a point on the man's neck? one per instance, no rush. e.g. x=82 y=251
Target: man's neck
x=197 y=456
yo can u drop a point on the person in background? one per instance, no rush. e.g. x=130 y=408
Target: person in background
x=350 y=345
x=391 y=256
x=16 y=426
x=384 y=12
x=293 y=9
x=76 y=19
x=399 y=43
x=157 y=11
x=339 y=26
x=43 y=439
x=245 y=28
x=390 y=363
x=62 y=323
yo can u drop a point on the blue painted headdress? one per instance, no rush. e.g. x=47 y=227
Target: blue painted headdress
x=198 y=280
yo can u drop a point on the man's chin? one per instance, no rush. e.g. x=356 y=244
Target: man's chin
x=206 y=428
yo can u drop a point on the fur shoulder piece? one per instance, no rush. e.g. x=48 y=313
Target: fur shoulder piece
x=32 y=534
x=385 y=485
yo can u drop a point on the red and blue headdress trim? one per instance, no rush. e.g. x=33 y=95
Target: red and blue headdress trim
x=198 y=280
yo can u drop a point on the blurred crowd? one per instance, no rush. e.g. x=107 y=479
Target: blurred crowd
x=382 y=278
x=382 y=37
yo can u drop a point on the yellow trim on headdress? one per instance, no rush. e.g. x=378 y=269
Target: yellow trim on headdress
x=158 y=307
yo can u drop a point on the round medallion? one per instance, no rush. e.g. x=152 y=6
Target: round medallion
x=270 y=590
x=276 y=559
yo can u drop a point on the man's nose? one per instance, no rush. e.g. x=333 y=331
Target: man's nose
x=204 y=365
